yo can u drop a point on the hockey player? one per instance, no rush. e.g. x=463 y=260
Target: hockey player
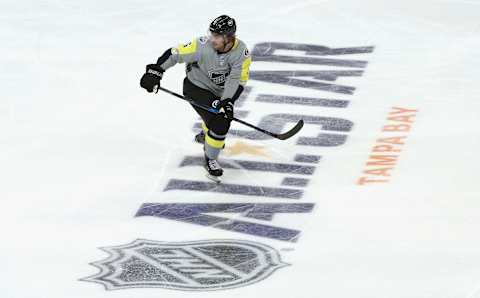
x=217 y=68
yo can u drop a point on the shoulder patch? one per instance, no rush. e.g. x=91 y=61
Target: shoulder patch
x=246 y=52
x=189 y=48
x=202 y=39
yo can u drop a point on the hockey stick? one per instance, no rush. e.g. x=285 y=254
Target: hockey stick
x=281 y=136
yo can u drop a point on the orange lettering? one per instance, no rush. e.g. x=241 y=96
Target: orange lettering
x=385 y=160
x=402 y=110
x=405 y=118
x=379 y=172
x=392 y=140
x=384 y=148
x=396 y=127
x=364 y=180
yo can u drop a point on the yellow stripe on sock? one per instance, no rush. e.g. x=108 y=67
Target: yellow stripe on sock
x=218 y=144
x=204 y=127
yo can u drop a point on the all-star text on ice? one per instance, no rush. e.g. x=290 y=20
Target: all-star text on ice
x=294 y=176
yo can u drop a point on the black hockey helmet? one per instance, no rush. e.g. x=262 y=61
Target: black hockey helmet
x=224 y=25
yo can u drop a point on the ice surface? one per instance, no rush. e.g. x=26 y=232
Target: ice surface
x=87 y=156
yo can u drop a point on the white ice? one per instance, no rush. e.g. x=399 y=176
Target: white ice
x=82 y=146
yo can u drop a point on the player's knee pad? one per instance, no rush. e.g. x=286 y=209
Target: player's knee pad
x=219 y=125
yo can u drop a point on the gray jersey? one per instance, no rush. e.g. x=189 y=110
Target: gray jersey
x=220 y=73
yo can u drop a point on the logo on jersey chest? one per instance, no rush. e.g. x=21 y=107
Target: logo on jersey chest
x=218 y=76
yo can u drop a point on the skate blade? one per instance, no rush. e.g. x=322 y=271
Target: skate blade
x=215 y=179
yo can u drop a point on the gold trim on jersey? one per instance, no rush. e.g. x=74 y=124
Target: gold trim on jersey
x=235 y=43
x=245 y=69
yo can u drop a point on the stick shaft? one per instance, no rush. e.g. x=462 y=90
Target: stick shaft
x=214 y=111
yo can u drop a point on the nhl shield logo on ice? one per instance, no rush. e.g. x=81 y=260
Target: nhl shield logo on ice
x=190 y=266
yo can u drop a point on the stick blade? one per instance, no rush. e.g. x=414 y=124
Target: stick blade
x=291 y=132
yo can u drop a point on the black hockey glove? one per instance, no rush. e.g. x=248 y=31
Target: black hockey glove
x=151 y=78
x=225 y=104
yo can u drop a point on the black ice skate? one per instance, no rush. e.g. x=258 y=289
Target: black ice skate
x=214 y=170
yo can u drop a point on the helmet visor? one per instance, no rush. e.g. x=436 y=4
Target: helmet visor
x=215 y=37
